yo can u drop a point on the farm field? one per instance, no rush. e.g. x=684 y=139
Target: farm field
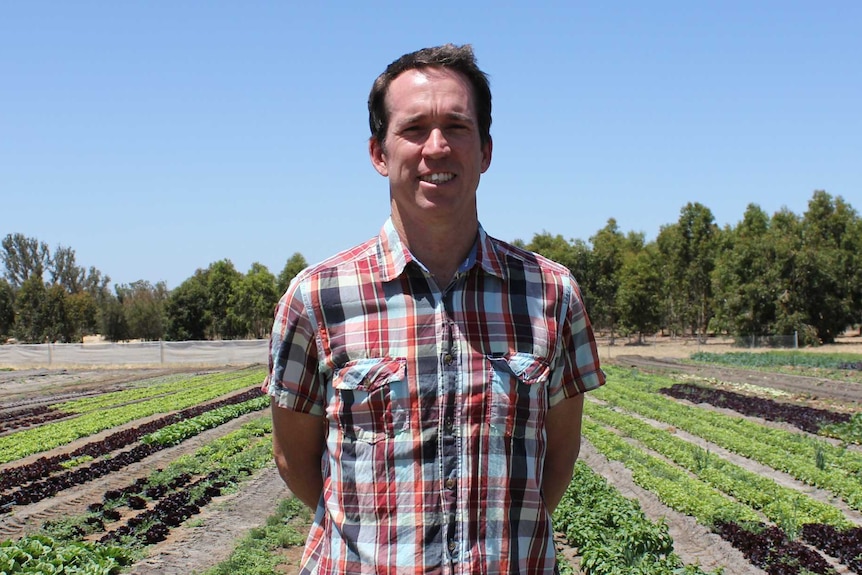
x=691 y=463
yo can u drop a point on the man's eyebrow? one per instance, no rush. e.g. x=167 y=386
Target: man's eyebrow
x=420 y=117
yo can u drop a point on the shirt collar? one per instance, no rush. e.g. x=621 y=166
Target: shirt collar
x=393 y=256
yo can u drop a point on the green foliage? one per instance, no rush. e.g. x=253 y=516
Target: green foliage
x=188 y=310
x=30 y=323
x=253 y=302
x=38 y=439
x=790 y=452
x=639 y=296
x=143 y=309
x=774 y=359
x=611 y=532
x=255 y=553
x=40 y=554
x=7 y=310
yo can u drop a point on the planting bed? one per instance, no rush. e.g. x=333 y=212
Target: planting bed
x=812 y=511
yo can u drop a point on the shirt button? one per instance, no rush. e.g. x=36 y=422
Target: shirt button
x=452 y=547
x=449 y=425
x=448 y=359
x=450 y=483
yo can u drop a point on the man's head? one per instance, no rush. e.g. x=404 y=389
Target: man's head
x=457 y=58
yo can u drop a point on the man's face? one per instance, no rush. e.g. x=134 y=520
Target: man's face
x=432 y=154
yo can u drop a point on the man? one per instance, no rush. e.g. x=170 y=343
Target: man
x=428 y=384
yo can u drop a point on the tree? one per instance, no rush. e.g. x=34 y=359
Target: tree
x=187 y=310
x=828 y=287
x=746 y=285
x=64 y=271
x=295 y=264
x=113 y=320
x=609 y=249
x=144 y=309
x=23 y=258
x=222 y=280
x=7 y=310
x=639 y=294
x=254 y=300
x=689 y=249
x=29 y=310
x=55 y=316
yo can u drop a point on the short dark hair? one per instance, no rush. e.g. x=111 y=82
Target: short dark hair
x=448 y=56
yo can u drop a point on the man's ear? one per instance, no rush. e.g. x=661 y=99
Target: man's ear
x=487 y=148
x=378 y=156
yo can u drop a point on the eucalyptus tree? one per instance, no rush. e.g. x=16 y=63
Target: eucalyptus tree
x=30 y=310
x=23 y=257
x=253 y=302
x=745 y=280
x=639 y=296
x=828 y=282
x=689 y=248
x=222 y=281
x=7 y=309
x=187 y=309
x=610 y=248
x=144 y=309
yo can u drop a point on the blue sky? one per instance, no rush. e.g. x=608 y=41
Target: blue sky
x=155 y=138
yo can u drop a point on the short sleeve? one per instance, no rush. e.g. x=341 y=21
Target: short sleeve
x=576 y=366
x=293 y=379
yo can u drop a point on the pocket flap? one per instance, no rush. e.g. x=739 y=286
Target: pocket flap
x=528 y=368
x=369 y=374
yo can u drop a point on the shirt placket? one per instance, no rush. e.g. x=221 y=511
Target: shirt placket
x=449 y=436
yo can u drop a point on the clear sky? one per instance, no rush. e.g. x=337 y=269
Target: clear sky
x=157 y=137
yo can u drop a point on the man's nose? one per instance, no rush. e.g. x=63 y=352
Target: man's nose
x=437 y=144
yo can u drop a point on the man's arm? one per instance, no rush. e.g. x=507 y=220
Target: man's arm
x=297 y=445
x=563 y=428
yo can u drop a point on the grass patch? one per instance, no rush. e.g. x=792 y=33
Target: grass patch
x=257 y=553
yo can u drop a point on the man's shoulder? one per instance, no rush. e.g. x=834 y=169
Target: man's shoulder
x=344 y=260
x=510 y=254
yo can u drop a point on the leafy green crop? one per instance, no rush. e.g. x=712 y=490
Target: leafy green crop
x=773 y=359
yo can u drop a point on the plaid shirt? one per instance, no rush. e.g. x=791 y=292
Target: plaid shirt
x=436 y=403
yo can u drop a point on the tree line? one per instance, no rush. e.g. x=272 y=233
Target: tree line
x=767 y=275
x=46 y=297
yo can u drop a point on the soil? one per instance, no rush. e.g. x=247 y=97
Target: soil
x=209 y=538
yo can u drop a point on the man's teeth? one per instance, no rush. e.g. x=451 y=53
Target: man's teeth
x=438 y=178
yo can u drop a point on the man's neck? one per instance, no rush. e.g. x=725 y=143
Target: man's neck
x=441 y=247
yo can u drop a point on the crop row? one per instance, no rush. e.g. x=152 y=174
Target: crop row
x=35 y=440
x=781 y=505
x=611 y=532
x=151 y=443
x=806 y=418
x=780 y=359
x=164 y=499
x=29 y=417
x=45 y=466
x=810 y=460
x=146 y=390
x=691 y=496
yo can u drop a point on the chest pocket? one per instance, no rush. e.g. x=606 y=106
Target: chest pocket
x=370 y=400
x=518 y=392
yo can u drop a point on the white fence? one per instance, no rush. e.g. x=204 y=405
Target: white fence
x=149 y=353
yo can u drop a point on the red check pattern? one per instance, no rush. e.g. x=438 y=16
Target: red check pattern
x=436 y=401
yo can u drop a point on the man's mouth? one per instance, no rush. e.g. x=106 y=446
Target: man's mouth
x=437 y=178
